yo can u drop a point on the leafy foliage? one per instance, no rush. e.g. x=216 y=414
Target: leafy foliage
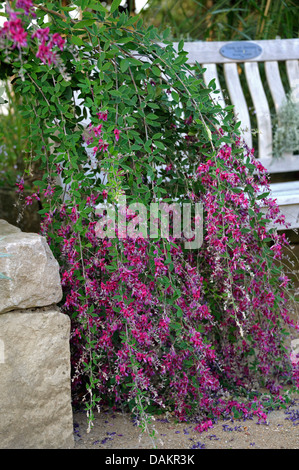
x=12 y=139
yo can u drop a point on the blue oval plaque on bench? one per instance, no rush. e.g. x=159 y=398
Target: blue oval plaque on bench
x=240 y=50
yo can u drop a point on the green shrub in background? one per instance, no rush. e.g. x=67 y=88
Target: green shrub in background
x=13 y=138
x=223 y=20
x=286 y=129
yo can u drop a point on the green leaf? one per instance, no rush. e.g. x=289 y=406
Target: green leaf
x=175 y=96
x=166 y=33
x=157 y=136
x=124 y=65
x=97 y=7
x=68 y=8
x=225 y=139
x=263 y=196
x=152 y=116
x=181 y=45
x=159 y=145
x=180 y=312
x=156 y=70
x=55 y=138
x=115 y=5
x=195 y=382
x=77 y=41
x=134 y=61
x=181 y=59
x=83 y=24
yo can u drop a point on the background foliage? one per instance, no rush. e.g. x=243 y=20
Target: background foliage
x=224 y=20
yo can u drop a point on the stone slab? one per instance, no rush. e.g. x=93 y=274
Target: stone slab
x=33 y=272
x=7 y=229
x=35 y=380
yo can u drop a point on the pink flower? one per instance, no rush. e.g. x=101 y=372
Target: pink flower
x=45 y=51
x=45 y=54
x=29 y=199
x=41 y=34
x=49 y=191
x=276 y=250
x=58 y=168
x=14 y=30
x=103 y=146
x=189 y=120
x=116 y=133
x=204 y=426
x=27 y=6
x=102 y=115
x=20 y=186
x=97 y=130
x=57 y=40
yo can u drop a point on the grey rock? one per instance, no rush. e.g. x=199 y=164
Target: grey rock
x=33 y=272
x=35 y=381
x=7 y=229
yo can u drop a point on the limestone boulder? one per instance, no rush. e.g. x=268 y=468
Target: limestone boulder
x=35 y=380
x=33 y=272
x=7 y=229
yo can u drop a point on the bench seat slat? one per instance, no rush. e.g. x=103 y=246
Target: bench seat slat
x=287 y=197
x=289 y=162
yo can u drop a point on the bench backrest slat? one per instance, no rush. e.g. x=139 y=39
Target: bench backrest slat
x=210 y=74
x=293 y=76
x=262 y=111
x=238 y=100
x=272 y=49
x=275 y=83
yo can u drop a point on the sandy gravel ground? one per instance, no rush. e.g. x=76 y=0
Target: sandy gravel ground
x=114 y=430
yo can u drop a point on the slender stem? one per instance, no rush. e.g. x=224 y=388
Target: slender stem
x=52 y=12
x=41 y=91
x=265 y=15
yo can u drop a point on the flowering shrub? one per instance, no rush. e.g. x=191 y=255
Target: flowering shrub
x=155 y=326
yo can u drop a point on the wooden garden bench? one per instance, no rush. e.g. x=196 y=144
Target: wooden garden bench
x=228 y=56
